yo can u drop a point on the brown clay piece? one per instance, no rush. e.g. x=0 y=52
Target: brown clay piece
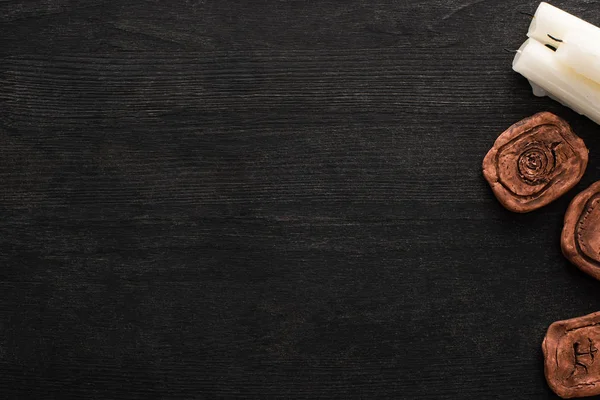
x=572 y=356
x=534 y=162
x=580 y=239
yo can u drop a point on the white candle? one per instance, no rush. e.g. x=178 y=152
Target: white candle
x=549 y=20
x=581 y=51
x=548 y=76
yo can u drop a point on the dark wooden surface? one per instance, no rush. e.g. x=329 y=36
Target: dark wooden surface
x=271 y=199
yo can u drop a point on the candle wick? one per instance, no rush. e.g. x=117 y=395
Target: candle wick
x=555 y=39
x=512 y=51
x=551 y=47
x=528 y=14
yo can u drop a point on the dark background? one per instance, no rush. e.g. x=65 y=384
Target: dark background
x=256 y=199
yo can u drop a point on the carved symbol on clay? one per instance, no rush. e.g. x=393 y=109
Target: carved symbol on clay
x=588 y=353
x=572 y=356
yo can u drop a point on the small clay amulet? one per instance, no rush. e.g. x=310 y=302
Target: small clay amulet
x=534 y=162
x=580 y=239
x=572 y=356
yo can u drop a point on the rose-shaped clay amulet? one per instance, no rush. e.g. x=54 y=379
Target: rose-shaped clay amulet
x=534 y=162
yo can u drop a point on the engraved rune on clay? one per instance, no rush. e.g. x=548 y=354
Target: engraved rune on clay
x=571 y=356
x=585 y=357
x=580 y=239
x=534 y=162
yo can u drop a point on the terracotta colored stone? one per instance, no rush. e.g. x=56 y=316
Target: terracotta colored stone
x=580 y=239
x=572 y=356
x=534 y=162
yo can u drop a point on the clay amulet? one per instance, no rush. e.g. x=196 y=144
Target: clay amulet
x=580 y=239
x=572 y=356
x=534 y=162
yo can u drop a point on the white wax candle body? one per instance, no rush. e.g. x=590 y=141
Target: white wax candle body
x=581 y=51
x=541 y=67
x=549 y=20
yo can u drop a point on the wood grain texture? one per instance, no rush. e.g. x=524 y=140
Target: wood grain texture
x=271 y=200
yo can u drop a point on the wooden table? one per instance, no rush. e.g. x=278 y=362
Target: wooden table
x=271 y=199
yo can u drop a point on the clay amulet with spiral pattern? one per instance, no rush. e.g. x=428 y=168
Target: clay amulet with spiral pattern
x=534 y=162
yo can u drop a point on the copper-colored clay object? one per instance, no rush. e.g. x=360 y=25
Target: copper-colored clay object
x=580 y=239
x=572 y=356
x=534 y=162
